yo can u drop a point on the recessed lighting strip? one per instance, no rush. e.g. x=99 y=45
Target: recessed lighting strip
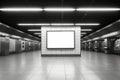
x=32 y=24
x=23 y=9
x=34 y=29
x=52 y=24
x=37 y=33
x=98 y=9
x=87 y=24
x=86 y=29
x=72 y=24
x=83 y=33
x=57 y=9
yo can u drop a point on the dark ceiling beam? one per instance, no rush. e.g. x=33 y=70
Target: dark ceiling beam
x=108 y=29
x=10 y=30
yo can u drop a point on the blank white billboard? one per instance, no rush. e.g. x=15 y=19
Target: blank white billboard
x=60 y=39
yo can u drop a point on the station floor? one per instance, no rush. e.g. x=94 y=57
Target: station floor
x=31 y=66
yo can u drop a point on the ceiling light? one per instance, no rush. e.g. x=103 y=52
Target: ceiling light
x=4 y=34
x=83 y=33
x=86 y=29
x=96 y=38
x=23 y=9
x=32 y=24
x=37 y=33
x=110 y=34
x=14 y=36
x=62 y=24
x=59 y=9
x=34 y=29
x=98 y=9
x=27 y=39
x=48 y=24
x=87 y=24
x=89 y=40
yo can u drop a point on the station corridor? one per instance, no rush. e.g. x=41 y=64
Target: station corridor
x=31 y=66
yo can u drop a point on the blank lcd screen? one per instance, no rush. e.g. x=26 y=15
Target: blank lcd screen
x=60 y=39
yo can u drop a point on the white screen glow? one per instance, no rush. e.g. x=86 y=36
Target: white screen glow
x=60 y=39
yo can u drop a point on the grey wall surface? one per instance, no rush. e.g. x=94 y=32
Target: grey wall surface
x=12 y=45
x=75 y=51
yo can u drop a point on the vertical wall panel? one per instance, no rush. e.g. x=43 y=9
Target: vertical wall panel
x=18 y=45
x=4 y=43
x=12 y=45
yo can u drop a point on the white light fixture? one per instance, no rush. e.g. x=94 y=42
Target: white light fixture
x=98 y=9
x=86 y=29
x=110 y=34
x=87 y=24
x=27 y=39
x=70 y=24
x=32 y=24
x=14 y=36
x=22 y=9
x=4 y=34
x=37 y=33
x=59 y=9
x=96 y=38
x=52 y=24
x=89 y=40
x=34 y=29
x=83 y=33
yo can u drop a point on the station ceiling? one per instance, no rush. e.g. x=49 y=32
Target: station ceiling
x=104 y=18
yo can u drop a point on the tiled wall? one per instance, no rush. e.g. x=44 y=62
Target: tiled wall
x=75 y=51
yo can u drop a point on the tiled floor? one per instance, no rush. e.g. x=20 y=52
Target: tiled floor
x=31 y=66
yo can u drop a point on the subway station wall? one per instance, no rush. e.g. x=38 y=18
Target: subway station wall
x=108 y=46
x=63 y=51
x=10 y=45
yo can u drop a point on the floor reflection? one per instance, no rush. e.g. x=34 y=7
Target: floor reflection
x=31 y=66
